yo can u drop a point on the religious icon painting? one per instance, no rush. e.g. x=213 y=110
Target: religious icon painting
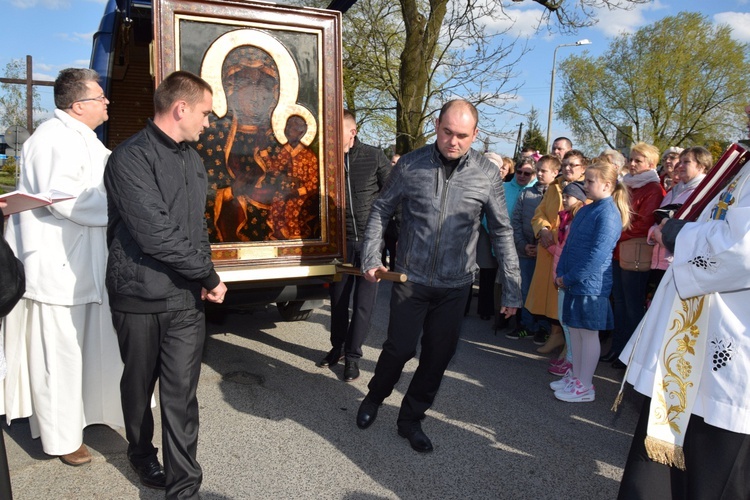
x=272 y=149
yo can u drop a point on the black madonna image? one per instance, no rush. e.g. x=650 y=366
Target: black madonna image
x=260 y=150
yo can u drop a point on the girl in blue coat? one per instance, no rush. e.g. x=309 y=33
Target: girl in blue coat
x=585 y=272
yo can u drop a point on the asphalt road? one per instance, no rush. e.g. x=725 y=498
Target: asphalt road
x=273 y=425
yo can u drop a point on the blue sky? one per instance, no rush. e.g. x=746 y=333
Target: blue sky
x=58 y=33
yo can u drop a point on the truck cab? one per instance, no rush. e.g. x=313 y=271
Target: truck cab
x=273 y=150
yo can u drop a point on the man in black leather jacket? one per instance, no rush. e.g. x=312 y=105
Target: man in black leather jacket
x=366 y=169
x=159 y=272
x=443 y=189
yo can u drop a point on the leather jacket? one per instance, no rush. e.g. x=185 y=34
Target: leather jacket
x=440 y=222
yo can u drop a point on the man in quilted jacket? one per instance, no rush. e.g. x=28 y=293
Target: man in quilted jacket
x=159 y=272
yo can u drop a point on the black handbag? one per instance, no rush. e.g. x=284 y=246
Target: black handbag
x=12 y=276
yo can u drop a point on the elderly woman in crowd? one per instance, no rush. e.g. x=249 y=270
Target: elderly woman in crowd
x=617 y=159
x=691 y=168
x=629 y=287
x=669 y=161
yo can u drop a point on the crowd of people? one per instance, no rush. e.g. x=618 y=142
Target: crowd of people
x=568 y=246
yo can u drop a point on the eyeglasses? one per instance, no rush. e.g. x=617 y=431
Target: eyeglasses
x=572 y=165
x=101 y=98
x=525 y=174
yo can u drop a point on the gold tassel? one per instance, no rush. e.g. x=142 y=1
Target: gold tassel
x=617 y=402
x=665 y=453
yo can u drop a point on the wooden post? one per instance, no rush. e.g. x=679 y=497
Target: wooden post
x=29 y=97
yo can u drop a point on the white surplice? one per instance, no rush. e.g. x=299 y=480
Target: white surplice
x=64 y=365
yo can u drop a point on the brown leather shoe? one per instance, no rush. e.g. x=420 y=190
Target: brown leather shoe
x=79 y=457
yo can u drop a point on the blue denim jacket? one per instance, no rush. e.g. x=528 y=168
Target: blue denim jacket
x=440 y=222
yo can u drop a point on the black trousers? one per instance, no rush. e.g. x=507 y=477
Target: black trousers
x=486 y=298
x=716 y=465
x=437 y=314
x=345 y=334
x=168 y=347
x=5 y=489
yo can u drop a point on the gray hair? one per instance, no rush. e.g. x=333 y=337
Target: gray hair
x=615 y=157
x=70 y=86
x=495 y=158
x=674 y=150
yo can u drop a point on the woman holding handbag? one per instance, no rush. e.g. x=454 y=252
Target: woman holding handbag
x=632 y=257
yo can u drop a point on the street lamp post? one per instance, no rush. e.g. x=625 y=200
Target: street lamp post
x=585 y=41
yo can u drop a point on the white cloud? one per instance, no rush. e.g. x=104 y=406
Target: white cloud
x=43 y=67
x=77 y=37
x=619 y=21
x=47 y=4
x=43 y=76
x=738 y=21
x=518 y=22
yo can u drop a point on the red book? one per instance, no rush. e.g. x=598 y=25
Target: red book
x=733 y=159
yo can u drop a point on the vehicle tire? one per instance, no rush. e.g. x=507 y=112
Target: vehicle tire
x=292 y=311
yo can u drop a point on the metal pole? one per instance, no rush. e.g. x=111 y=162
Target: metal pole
x=518 y=141
x=551 y=99
x=552 y=86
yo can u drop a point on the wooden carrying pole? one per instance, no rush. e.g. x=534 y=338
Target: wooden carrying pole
x=383 y=275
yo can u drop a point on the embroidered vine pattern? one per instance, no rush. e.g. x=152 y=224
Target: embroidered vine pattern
x=677 y=352
x=723 y=351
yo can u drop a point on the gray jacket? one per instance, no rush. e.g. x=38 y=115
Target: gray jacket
x=440 y=222
x=523 y=233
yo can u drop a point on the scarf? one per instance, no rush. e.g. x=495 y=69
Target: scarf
x=640 y=180
x=681 y=187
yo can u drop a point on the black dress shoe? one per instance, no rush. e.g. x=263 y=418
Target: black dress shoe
x=151 y=474
x=618 y=365
x=367 y=413
x=609 y=357
x=331 y=359
x=351 y=371
x=417 y=438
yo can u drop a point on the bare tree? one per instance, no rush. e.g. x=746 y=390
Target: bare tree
x=412 y=56
x=568 y=16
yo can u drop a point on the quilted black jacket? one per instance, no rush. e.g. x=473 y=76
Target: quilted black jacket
x=366 y=171
x=159 y=255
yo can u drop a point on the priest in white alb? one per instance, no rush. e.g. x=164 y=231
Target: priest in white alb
x=691 y=357
x=64 y=363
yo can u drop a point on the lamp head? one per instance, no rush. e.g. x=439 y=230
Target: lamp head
x=585 y=41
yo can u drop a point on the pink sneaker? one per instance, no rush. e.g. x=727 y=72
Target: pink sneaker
x=560 y=369
x=556 y=361
x=563 y=382
x=575 y=392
